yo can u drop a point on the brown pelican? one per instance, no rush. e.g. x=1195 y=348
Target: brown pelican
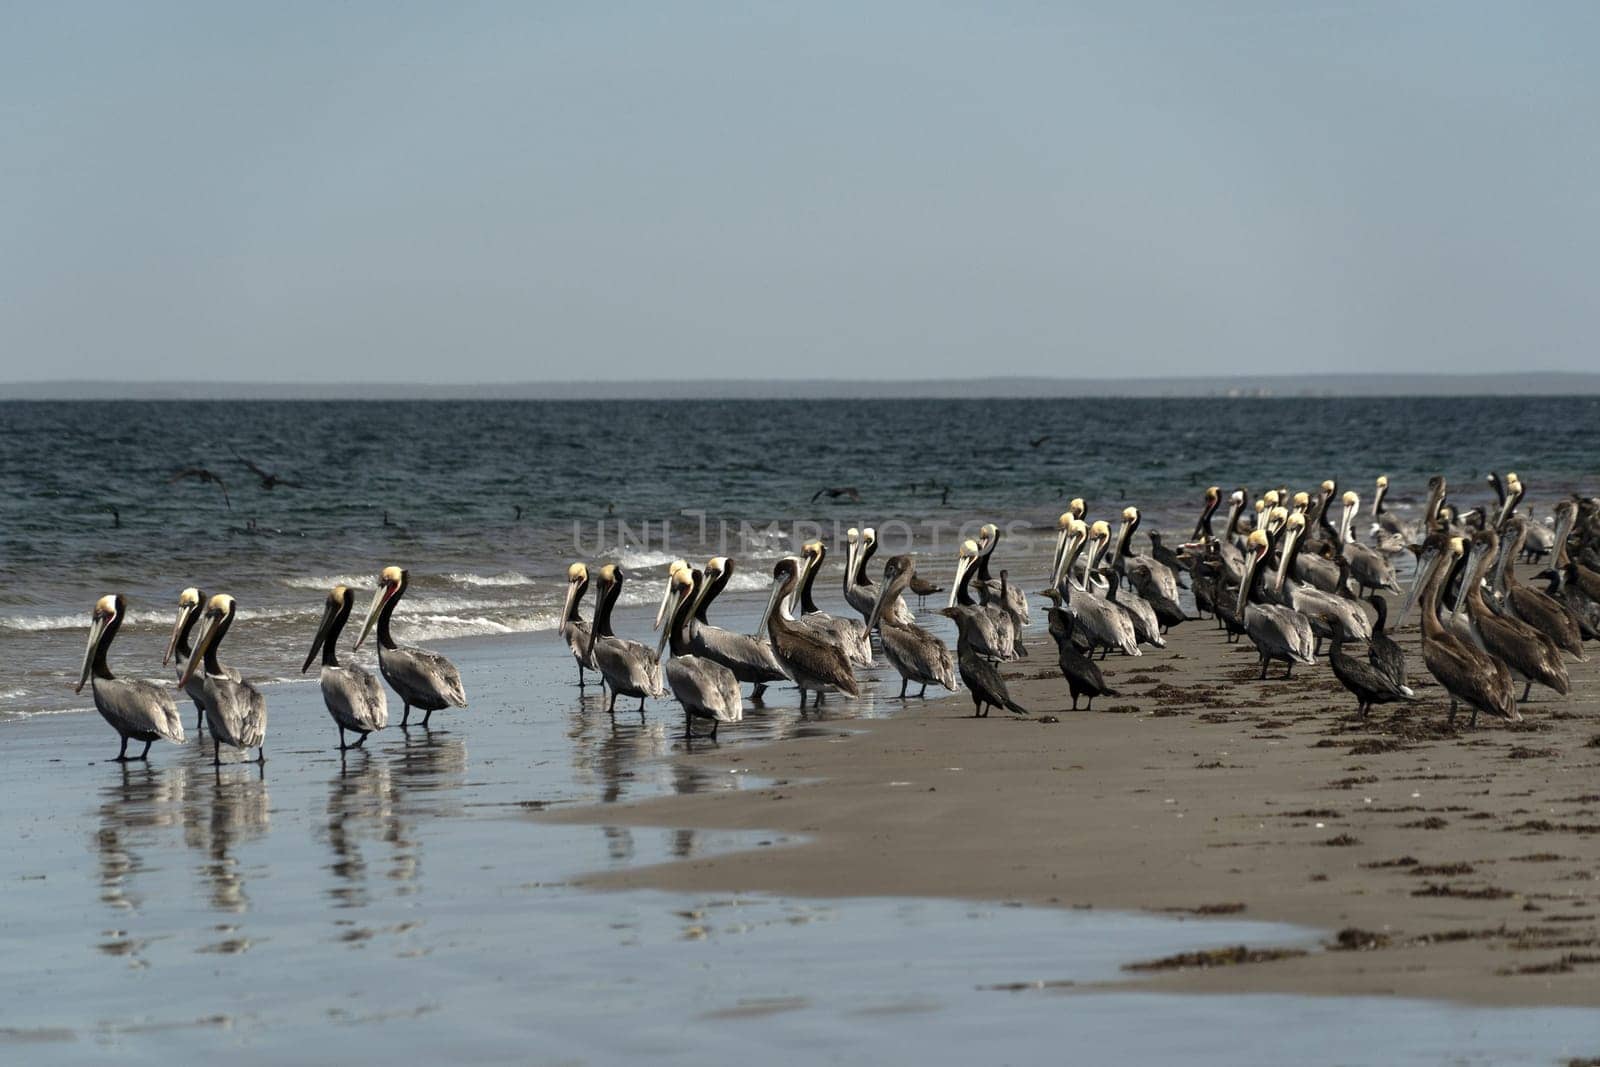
x=138 y=709
x=353 y=694
x=1383 y=651
x=816 y=665
x=1278 y=632
x=189 y=610
x=705 y=688
x=1369 y=567
x=749 y=657
x=1468 y=673
x=993 y=632
x=1529 y=654
x=1574 y=575
x=574 y=630
x=991 y=590
x=848 y=634
x=1103 y=623
x=858 y=587
x=1538 y=609
x=978 y=673
x=1154 y=581
x=628 y=667
x=1311 y=602
x=918 y=655
x=420 y=678
x=1082 y=674
x=236 y=712
x=1368 y=683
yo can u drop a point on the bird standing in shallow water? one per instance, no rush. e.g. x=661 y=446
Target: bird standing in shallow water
x=420 y=678
x=353 y=695
x=236 y=712
x=134 y=708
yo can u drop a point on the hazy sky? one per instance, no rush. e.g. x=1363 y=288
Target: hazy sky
x=473 y=192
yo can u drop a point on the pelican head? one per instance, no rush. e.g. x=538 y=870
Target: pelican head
x=1077 y=507
x=1294 y=528
x=1073 y=538
x=103 y=624
x=673 y=570
x=220 y=610
x=391 y=586
x=1301 y=502
x=785 y=577
x=965 y=559
x=897 y=572
x=1256 y=547
x=680 y=589
x=335 y=610
x=188 y=612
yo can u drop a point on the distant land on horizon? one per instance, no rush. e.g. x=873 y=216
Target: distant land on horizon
x=1532 y=383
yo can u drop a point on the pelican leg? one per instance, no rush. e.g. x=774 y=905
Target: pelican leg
x=759 y=690
x=641 y=705
x=1526 y=690
x=216 y=751
x=342 y=745
x=199 y=718
x=714 y=724
x=580 y=676
x=802 y=700
x=1288 y=668
x=426 y=716
x=923 y=691
x=145 y=755
x=1263 y=669
x=1452 y=720
x=361 y=740
x=122 y=753
x=1074 y=701
x=405 y=718
x=261 y=755
x=611 y=708
x=903 y=688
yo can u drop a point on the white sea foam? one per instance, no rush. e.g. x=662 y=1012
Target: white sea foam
x=643 y=557
x=80 y=620
x=507 y=578
x=328 y=581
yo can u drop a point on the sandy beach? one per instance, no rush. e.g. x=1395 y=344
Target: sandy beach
x=1439 y=863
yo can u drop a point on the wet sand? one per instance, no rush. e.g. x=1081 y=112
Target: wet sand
x=1462 y=862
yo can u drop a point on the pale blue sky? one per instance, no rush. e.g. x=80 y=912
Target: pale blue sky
x=475 y=192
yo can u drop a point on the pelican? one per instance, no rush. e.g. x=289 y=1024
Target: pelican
x=628 y=667
x=135 y=708
x=1103 y=623
x=1538 y=609
x=1082 y=674
x=420 y=678
x=848 y=634
x=816 y=664
x=1312 y=602
x=1368 y=683
x=1369 y=567
x=1526 y=652
x=1574 y=575
x=993 y=632
x=750 y=658
x=705 y=688
x=236 y=712
x=991 y=589
x=918 y=655
x=1468 y=673
x=574 y=630
x=1278 y=632
x=858 y=586
x=353 y=694
x=189 y=611
x=978 y=673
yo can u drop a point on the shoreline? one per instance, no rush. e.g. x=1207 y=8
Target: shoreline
x=1467 y=862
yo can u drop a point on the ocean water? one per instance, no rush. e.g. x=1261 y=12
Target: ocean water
x=487 y=503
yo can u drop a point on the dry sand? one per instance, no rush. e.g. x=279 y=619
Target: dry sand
x=1467 y=858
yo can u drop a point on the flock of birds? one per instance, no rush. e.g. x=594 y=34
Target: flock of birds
x=1285 y=576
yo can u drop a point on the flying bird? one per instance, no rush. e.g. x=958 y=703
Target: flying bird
x=849 y=491
x=270 y=480
x=205 y=477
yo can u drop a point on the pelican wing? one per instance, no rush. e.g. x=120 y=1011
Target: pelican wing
x=355 y=698
x=628 y=666
x=918 y=655
x=749 y=658
x=705 y=688
x=418 y=671
x=134 y=706
x=236 y=712
x=815 y=657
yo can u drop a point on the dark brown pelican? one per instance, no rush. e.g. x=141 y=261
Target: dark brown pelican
x=189 y=609
x=1529 y=654
x=749 y=657
x=918 y=655
x=420 y=678
x=1468 y=673
x=1534 y=607
x=1369 y=567
x=353 y=694
x=849 y=634
x=1082 y=673
x=236 y=712
x=1278 y=632
x=1574 y=575
x=628 y=667
x=978 y=672
x=134 y=708
x=1367 y=683
x=574 y=630
x=705 y=688
x=816 y=665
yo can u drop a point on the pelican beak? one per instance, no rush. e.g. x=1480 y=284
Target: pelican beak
x=772 y=605
x=1251 y=565
x=96 y=629
x=208 y=637
x=1469 y=576
x=378 y=600
x=572 y=598
x=886 y=594
x=184 y=613
x=328 y=615
x=1284 y=557
x=674 y=598
x=963 y=565
x=1426 y=562
x=1377 y=498
x=666 y=598
x=1071 y=548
